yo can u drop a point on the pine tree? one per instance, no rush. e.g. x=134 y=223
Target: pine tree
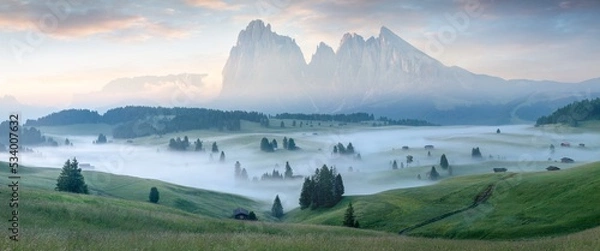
x=244 y=175
x=71 y=179
x=289 y=173
x=277 y=208
x=349 y=219
x=350 y=148
x=291 y=144
x=444 y=162
x=274 y=144
x=198 y=145
x=154 y=195
x=285 y=143
x=338 y=187
x=222 y=157
x=306 y=194
x=215 y=148
x=252 y=216
x=335 y=150
x=186 y=142
x=395 y=165
x=238 y=170
x=282 y=125
x=433 y=174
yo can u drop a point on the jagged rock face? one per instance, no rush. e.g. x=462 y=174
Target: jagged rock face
x=379 y=72
x=262 y=61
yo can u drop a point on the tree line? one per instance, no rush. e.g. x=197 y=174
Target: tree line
x=351 y=118
x=139 y=121
x=573 y=113
x=27 y=136
x=324 y=189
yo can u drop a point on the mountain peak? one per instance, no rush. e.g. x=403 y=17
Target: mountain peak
x=385 y=31
x=258 y=25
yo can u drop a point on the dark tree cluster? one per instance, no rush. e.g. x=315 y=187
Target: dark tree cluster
x=289 y=144
x=341 y=150
x=476 y=153
x=67 y=117
x=70 y=178
x=324 y=189
x=274 y=175
x=214 y=148
x=198 y=145
x=268 y=146
x=101 y=139
x=574 y=113
x=350 y=118
x=406 y=122
x=240 y=173
x=139 y=121
x=27 y=135
x=179 y=144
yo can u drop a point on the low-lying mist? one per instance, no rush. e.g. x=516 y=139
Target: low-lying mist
x=378 y=147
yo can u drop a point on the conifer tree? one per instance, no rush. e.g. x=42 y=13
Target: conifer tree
x=215 y=148
x=154 y=195
x=277 y=208
x=70 y=178
x=222 y=157
x=444 y=162
x=289 y=173
x=349 y=219
x=306 y=193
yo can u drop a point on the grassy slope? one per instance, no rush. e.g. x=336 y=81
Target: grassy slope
x=61 y=221
x=522 y=206
x=198 y=201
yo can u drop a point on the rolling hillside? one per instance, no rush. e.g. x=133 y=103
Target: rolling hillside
x=522 y=205
x=52 y=220
x=192 y=200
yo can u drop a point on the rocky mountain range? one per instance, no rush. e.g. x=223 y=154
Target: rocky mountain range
x=384 y=75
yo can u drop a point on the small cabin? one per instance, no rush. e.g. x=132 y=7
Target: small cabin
x=565 y=144
x=582 y=145
x=428 y=146
x=240 y=214
x=405 y=148
x=500 y=169
x=567 y=160
x=552 y=168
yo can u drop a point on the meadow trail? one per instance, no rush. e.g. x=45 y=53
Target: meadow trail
x=482 y=197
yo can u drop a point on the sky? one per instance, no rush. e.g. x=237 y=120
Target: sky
x=52 y=52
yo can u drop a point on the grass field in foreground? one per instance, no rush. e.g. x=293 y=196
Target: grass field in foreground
x=197 y=201
x=523 y=205
x=52 y=220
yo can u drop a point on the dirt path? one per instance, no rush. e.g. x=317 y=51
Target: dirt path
x=480 y=198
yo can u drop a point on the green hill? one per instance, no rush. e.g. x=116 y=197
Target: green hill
x=522 y=205
x=197 y=201
x=574 y=113
x=52 y=220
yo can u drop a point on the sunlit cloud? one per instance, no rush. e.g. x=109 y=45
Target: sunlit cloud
x=217 y=5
